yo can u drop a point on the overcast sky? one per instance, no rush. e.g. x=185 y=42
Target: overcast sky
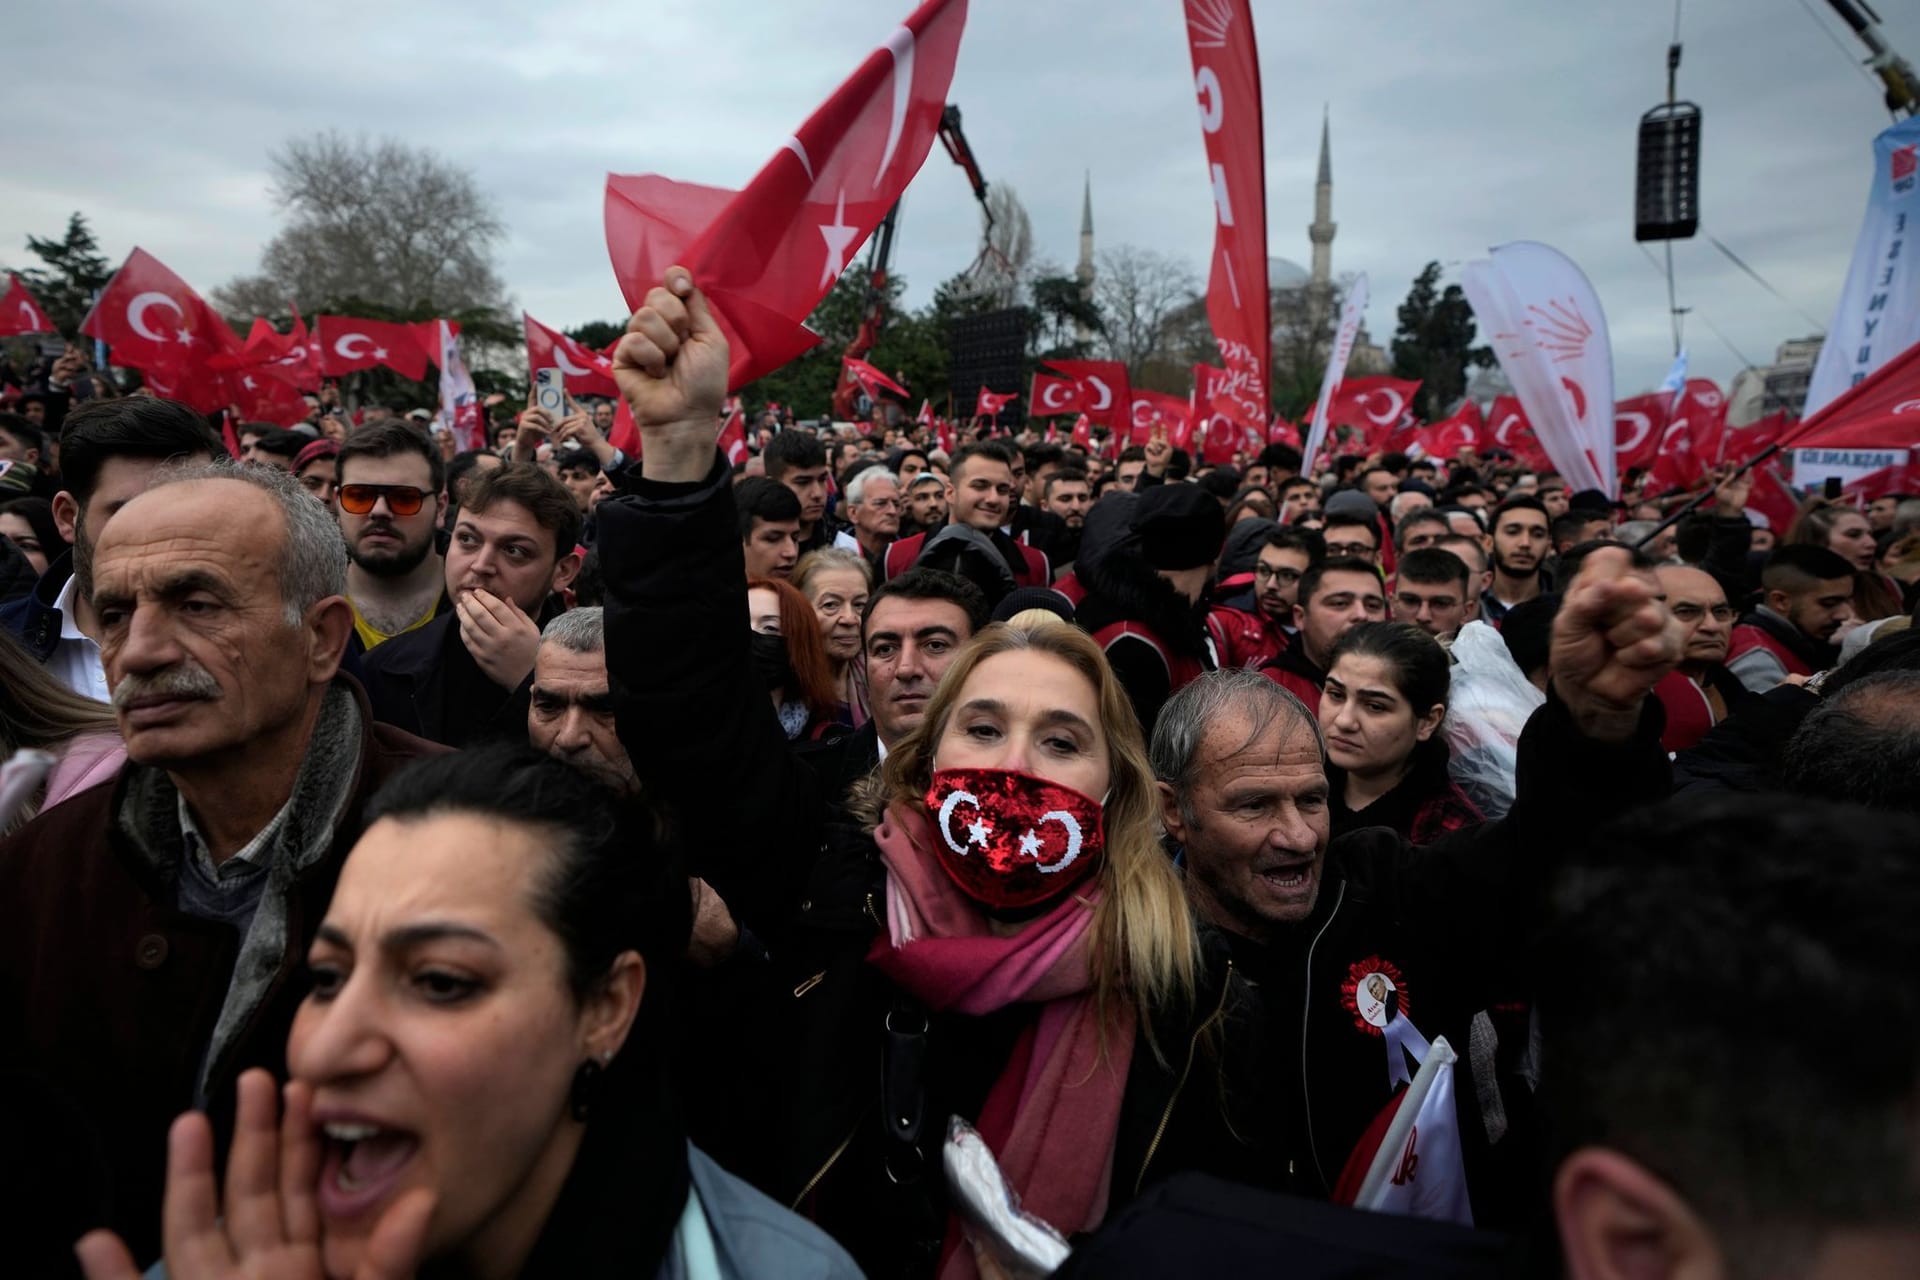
x=1455 y=127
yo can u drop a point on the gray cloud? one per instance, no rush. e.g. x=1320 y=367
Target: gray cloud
x=1455 y=127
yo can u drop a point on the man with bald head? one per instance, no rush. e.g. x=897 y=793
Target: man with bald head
x=1345 y=949
x=153 y=928
x=1701 y=692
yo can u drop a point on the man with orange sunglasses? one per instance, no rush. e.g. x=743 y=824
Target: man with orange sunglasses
x=390 y=489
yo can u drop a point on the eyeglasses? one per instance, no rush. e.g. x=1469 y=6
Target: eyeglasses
x=1360 y=550
x=1693 y=612
x=1280 y=573
x=402 y=499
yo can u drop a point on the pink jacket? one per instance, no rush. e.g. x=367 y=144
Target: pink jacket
x=89 y=759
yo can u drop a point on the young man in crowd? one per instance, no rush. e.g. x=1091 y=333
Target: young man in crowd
x=462 y=677
x=980 y=494
x=798 y=460
x=1433 y=591
x=1350 y=532
x=1335 y=596
x=769 y=527
x=1520 y=544
x=1252 y=637
x=1422 y=527
x=1806 y=597
x=391 y=500
x=111 y=451
x=926 y=504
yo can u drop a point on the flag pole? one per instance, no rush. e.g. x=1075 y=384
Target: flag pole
x=1700 y=498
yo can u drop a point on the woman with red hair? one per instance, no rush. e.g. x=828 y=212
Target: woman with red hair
x=790 y=656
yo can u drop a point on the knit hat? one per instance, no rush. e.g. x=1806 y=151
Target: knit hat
x=1351 y=504
x=1179 y=526
x=318 y=449
x=18 y=478
x=1025 y=598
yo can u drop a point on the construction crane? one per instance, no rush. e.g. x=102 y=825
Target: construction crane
x=874 y=314
x=1895 y=72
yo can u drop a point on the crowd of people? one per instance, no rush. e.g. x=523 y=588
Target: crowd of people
x=409 y=861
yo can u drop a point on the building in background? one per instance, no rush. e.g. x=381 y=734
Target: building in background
x=1778 y=387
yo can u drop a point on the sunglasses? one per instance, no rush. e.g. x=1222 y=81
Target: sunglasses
x=402 y=499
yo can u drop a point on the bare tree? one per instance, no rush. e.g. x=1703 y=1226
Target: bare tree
x=1139 y=292
x=382 y=223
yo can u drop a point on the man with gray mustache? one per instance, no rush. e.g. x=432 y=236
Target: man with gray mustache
x=153 y=929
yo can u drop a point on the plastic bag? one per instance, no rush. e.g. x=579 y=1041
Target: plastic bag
x=1488 y=707
x=1014 y=1242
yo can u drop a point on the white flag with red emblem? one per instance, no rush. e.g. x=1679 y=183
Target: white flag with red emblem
x=1551 y=339
x=1411 y=1152
x=459 y=403
x=1351 y=313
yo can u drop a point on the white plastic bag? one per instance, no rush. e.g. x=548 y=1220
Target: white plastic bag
x=1014 y=1243
x=1488 y=707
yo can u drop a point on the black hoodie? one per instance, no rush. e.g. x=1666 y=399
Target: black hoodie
x=1122 y=587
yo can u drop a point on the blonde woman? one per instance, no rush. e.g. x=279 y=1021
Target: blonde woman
x=836 y=583
x=38 y=713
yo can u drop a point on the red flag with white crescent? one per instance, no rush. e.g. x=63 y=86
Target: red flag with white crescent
x=156 y=323
x=1083 y=431
x=991 y=403
x=1742 y=444
x=766 y=256
x=1150 y=408
x=1103 y=391
x=733 y=438
x=1226 y=79
x=1050 y=395
x=348 y=344
x=1283 y=432
x=20 y=312
x=583 y=370
x=1638 y=425
x=871 y=380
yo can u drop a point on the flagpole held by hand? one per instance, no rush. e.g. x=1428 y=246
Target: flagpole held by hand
x=672 y=371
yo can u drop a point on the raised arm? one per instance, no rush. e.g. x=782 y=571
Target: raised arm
x=698 y=726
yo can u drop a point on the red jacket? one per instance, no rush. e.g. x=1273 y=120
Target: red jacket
x=1747 y=637
x=1245 y=639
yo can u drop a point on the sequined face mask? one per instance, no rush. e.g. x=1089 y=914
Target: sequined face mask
x=1011 y=840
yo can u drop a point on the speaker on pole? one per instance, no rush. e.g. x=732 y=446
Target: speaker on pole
x=989 y=350
x=1666 y=196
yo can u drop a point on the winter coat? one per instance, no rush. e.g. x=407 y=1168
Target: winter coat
x=425 y=682
x=1154 y=637
x=1424 y=806
x=110 y=994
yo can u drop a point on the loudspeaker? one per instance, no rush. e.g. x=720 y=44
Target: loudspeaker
x=1666 y=191
x=988 y=351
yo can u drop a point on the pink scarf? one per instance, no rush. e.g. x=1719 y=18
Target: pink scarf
x=1053 y=1115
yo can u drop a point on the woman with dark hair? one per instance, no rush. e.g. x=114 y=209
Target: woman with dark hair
x=1250 y=504
x=1380 y=713
x=479 y=1072
x=790 y=656
x=1843 y=529
x=29 y=525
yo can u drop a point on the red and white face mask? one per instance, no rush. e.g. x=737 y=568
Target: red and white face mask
x=1011 y=840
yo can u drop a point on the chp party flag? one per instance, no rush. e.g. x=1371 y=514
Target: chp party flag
x=20 y=312
x=459 y=403
x=1050 y=395
x=991 y=403
x=1409 y=1160
x=1550 y=336
x=583 y=371
x=1343 y=339
x=871 y=380
x=348 y=344
x=766 y=255
x=1226 y=81
x=1879 y=312
x=1104 y=395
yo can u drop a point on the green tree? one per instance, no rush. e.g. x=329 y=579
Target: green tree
x=597 y=334
x=1066 y=321
x=1434 y=343
x=74 y=268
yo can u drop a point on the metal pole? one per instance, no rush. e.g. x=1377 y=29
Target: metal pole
x=1700 y=498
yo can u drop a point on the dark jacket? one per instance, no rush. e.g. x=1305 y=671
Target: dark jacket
x=842 y=761
x=1424 y=806
x=109 y=995
x=17 y=578
x=1166 y=646
x=1744 y=751
x=426 y=683
x=32 y=617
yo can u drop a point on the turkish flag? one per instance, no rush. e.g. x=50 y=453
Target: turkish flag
x=1676 y=467
x=583 y=370
x=991 y=403
x=926 y=414
x=348 y=344
x=1741 y=445
x=1157 y=408
x=1638 y=425
x=1283 y=432
x=1447 y=437
x=733 y=438
x=156 y=323
x=943 y=436
x=1375 y=406
x=1083 y=431
x=1773 y=498
x=264 y=395
x=1507 y=425
x=1888 y=399
x=1054 y=395
x=766 y=256
x=20 y=312
x=1102 y=384
x=1705 y=411
x=871 y=380
x=1226 y=77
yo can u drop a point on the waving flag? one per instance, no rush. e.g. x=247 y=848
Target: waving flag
x=871 y=380
x=583 y=370
x=991 y=403
x=1102 y=385
x=1882 y=411
x=348 y=343
x=733 y=437
x=20 y=312
x=1054 y=395
x=1551 y=339
x=1226 y=81
x=1343 y=339
x=1156 y=408
x=1639 y=425
x=925 y=417
x=156 y=323
x=459 y=403
x=766 y=256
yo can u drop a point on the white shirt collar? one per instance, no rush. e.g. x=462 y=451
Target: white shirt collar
x=69 y=629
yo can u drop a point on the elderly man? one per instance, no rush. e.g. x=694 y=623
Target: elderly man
x=1359 y=954
x=153 y=929
x=873 y=507
x=1700 y=692
x=570 y=712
